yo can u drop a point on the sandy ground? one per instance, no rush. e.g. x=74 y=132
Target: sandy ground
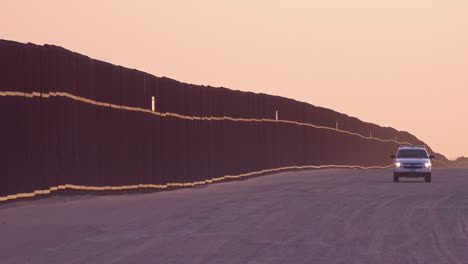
x=315 y=216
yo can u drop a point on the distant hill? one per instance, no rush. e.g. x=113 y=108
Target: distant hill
x=460 y=162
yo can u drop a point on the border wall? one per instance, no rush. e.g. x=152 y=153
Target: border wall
x=72 y=122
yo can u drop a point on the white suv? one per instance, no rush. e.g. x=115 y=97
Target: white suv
x=412 y=161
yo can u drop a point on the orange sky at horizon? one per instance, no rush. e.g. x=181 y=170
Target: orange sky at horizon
x=396 y=63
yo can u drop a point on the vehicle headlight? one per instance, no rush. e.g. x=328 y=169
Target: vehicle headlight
x=398 y=164
x=427 y=164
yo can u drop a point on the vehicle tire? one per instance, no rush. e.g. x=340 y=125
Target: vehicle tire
x=396 y=178
x=428 y=178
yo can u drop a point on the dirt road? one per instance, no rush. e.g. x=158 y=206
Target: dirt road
x=315 y=216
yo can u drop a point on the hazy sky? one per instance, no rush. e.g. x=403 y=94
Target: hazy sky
x=399 y=63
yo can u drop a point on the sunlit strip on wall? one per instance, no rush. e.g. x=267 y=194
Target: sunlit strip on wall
x=180 y=184
x=175 y=115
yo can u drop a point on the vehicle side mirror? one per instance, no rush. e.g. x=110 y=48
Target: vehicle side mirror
x=431 y=157
x=393 y=156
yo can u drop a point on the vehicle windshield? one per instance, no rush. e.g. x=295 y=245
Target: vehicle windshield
x=412 y=153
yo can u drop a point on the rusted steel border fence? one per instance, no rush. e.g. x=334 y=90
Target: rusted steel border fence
x=72 y=122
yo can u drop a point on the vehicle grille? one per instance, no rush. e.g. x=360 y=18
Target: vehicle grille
x=413 y=165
